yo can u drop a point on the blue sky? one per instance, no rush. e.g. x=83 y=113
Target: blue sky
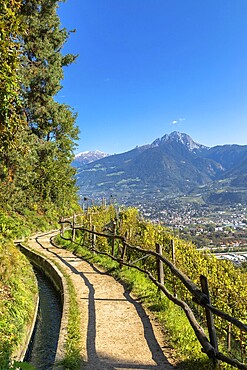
x=150 y=67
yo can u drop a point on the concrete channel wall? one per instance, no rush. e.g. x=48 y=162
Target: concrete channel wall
x=59 y=281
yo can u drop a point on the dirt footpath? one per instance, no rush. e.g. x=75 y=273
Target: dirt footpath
x=116 y=332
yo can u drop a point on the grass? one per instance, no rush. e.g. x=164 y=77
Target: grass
x=18 y=287
x=18 y=290
x=15 y=226
x=73 y=359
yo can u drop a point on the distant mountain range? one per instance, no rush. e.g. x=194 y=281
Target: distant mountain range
x=171 y=166
x=83 y=158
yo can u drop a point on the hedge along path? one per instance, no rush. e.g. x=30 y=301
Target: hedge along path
x=116 y=332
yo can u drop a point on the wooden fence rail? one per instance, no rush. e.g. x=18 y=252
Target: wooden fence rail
x=200 y=296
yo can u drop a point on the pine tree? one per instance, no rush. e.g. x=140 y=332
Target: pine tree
x=35 y=160
x=43 y=65
x=53 y=123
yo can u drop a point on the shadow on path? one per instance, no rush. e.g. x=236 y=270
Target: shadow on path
x=101 y=363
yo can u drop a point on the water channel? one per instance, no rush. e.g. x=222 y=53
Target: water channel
x=43 y=347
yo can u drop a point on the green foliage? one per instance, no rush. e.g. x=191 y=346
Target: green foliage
x=18 y=290
x=11 y=112
x=21 y=366
x=17 y=281
x=35 y=171
x=16 y=226
x=35 y=151
x=43 y=65
x=72 y=360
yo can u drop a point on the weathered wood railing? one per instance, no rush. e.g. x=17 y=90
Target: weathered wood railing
x=200 y=295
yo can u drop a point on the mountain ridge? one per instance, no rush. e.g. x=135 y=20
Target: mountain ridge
x=88 y=156
x=172 y=165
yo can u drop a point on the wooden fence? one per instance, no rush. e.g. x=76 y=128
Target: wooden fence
x=200 y=295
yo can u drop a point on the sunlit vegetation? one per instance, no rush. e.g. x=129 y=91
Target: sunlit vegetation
x=37 y=139
x=72 y=359
x=18 y=291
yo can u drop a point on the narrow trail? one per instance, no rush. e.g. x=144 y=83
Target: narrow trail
x=116 y=331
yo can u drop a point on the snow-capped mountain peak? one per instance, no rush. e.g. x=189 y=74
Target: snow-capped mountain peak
x=89 y=156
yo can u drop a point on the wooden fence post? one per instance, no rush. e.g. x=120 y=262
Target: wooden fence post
x=229 y=330
x=93 y=241
x=73 y=227
x=114 y=227
x=87 y=239
x=130 y=232
x=174 y=263
x=122 y=255
x=123 y=252
x=62 y=226
x=103 y=203
x=160 y=266
x=209 y=316
x=90 y=220
x=173 y=252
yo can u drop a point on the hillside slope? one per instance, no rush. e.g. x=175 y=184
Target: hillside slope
x=173 y=165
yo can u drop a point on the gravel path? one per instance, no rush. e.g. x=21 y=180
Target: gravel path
x=116 y=332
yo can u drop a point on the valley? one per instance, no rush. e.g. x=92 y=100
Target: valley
x=171 y=167
x=224 y=228
x=197 y=191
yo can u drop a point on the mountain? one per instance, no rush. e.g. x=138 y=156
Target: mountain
x=171 y=166
x=180 y=138
x=83 y=158
x=229 y=156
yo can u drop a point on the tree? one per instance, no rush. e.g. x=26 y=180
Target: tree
x=12 y=119
x=11 y=113
x=53 y=123
x=43 y=65
x=39 y=176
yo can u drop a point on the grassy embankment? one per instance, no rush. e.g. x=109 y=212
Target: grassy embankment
x=18 y=290
x=18 y=287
